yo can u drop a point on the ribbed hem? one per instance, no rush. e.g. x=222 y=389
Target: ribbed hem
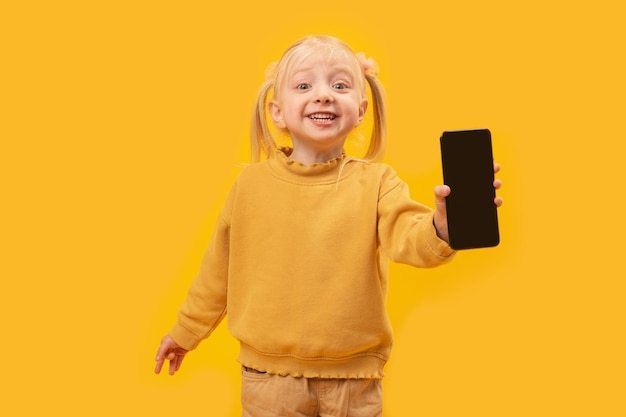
x=362 y=366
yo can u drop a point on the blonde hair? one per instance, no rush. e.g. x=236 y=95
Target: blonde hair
x=261 y=138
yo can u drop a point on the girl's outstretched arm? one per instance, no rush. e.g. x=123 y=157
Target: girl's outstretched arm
x=172 y=352
x=441 y=192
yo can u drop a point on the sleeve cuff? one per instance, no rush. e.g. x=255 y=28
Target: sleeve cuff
x=439 y=247
x=184 y=338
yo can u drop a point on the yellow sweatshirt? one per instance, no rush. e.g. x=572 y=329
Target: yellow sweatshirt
x=298 y=258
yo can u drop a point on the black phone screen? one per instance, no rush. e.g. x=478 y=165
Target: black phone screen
x=467 y=162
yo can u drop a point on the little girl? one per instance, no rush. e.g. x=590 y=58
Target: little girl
x=298 y=256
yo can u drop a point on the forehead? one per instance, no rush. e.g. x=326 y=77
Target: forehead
x=312 y=56
x=311 y=63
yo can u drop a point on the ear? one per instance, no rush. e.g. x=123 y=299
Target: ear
x=362 y=109
x=276 y=113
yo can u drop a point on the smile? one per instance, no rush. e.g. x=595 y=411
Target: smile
x=321 y=117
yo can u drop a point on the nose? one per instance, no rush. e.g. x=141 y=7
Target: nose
x=323 y=94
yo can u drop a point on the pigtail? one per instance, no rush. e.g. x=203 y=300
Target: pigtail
x=376 y=148
x=261 y=140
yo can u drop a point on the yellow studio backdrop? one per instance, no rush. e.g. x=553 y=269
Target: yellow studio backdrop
x=122 y=125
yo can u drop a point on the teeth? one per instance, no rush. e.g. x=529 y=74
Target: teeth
x=321 y=116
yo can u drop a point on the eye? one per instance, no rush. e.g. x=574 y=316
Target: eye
x=340 y=86
x=303 y=86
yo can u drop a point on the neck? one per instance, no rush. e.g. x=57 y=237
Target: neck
x=309 y=156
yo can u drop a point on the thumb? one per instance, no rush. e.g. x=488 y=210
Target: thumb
x=441 y=192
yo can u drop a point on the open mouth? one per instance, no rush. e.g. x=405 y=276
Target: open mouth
x=322 y=117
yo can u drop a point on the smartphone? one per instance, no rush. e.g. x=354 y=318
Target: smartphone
x=467 y=163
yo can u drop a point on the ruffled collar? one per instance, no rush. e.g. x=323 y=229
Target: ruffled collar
x=321 y=172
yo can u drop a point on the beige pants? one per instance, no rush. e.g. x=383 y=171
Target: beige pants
x=265 y=395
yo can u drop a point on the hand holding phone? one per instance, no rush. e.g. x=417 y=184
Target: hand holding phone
x=468 y=169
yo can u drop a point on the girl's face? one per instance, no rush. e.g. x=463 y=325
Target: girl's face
x=319 y=103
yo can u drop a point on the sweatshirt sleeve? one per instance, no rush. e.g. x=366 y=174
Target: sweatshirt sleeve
x=405 y=227
x=205 y=305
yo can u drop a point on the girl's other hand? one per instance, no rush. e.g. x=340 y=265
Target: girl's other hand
x=170 y=351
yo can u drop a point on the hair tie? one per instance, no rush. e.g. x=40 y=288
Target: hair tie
x=370 y=67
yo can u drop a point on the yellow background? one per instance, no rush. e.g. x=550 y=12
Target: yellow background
x=122 y=124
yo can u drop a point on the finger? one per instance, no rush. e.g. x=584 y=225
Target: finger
x=174 y=364
x=159 y=365
x=161 y=352
x=172 y=368
x=441 y=192
x=498 y=201
x=496 y=168
x=179 y=362
x=160 y=358
x=167 y=344
x=497 y=184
